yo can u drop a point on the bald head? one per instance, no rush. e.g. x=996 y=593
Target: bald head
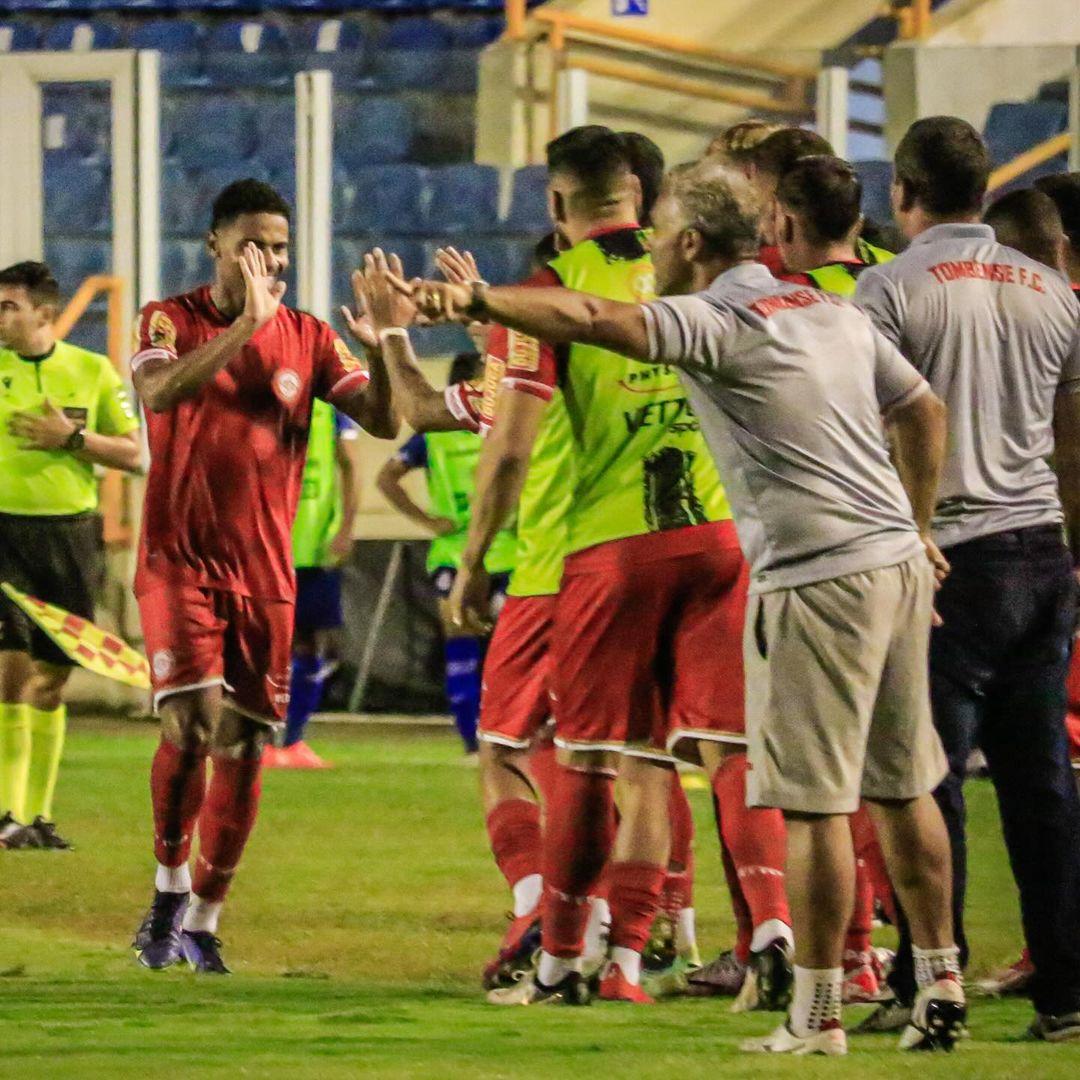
x=1029 y=221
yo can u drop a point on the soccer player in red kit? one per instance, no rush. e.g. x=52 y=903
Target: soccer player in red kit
x=227 y=375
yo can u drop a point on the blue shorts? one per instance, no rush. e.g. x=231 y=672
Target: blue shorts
x=318 y=599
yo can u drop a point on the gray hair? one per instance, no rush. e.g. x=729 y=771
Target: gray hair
x=720 y=203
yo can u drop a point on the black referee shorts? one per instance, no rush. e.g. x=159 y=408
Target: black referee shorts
x=59 y=559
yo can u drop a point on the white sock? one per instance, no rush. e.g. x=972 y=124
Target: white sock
x=629 y=963
x=553 y=969
x=173 y=878
x=685 y=931
x=817 y=999
x=202 y=915
x=770 y=930
x=596 y=930
x=934 y=964
x=527 y=894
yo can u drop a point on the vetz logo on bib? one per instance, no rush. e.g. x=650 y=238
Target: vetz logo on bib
x=287 y=385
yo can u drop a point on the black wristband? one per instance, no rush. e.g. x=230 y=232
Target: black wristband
x=477 y=308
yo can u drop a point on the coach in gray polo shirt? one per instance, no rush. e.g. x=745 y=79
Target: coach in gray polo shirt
x=996 y=335
x=790 y=385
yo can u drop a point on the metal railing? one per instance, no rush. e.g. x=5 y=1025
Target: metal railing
x=113 y=488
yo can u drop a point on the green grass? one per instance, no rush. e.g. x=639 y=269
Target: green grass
x=365 y=907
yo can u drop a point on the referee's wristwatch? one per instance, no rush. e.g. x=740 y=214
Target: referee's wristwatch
x=75 y=441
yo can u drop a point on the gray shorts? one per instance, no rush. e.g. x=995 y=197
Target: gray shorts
x=837 y=692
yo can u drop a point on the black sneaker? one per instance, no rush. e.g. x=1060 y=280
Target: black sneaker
x=8 y=827
x=202 y=951
x=49 y=837
x=572 y=989
x=16 y=837
x=1063 y=1028
x=770 y=979
x=157 y=942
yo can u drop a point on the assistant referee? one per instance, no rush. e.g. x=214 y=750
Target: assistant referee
x=63 y=410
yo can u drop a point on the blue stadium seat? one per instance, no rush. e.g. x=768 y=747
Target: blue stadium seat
x=411 y=54
x=77 y=197
x=464 y=198
x=250 y=54
x=276 y=121
x=74 y=260
x=208 y=131
x=188 y=194
x=477 y=32
x=417 y=33
x=283 y=181
x=334 y=45
x=167 y=35
x=17 y=37
x=349 y=253
x=74 y=124
x=326 y=35
x=379 y=199
x=78 y=35
x=372 y=131
x=876 y=177
x=499 y=260
x=185 y=264
x=1013 y=127
x=528 y=202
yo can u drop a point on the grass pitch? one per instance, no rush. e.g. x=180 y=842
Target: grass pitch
x=363 y=912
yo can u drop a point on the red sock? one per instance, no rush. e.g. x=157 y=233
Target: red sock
x=756 y=840
x=177 y=788
x=634 y=897
x=543 y=769
x=578 y=835
x=862 y=918
x=514 y=830
x=226 y=821
x=678 y=892
x=744 y=925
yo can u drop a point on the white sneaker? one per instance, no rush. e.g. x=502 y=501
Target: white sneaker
x=938 y=1018
x=572 y=989
x=832 y=1042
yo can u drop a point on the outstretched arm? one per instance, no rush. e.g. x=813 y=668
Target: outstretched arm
x=162 y=381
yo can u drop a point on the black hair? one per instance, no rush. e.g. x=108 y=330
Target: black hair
x=546 y=249
x=464 y=367
x=825 y=193
x=1064 y=189
x=779 y=152
x=943 y=165
x=248 y=196
x=1029 y=221
x=647 y=164
x=594 y=155
x=36 y=278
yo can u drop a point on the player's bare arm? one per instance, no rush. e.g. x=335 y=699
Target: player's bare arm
x=389 y=484
x=556 y=315
x=500 y=477
x=389 y=313
x=163 y=383
x=347 y=456
x=52 y=430
x=1067 y=463
x=918 y=430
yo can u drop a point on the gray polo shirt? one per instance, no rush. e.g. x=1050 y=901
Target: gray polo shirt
x=790 y=384
x=996 y=335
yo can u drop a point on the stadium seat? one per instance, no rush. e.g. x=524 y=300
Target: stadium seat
x=187 y=195
x=499 y=260
x=528 y=202
x=77 y=197
x=75 y=124
x=464 y=198
x=334 y=45
x=349 y=253
x=276 y=121
x=417 y=34
x=77 y=35
x=876 y=177
x=168 y=35
x=1013 y=127
x=379 y=199
x=371 y=131
x=17 y=37
x=477 y=32
x=73 y=260
x=411 y=54
x=185 y=264
x=208 y=131
x=249 y=54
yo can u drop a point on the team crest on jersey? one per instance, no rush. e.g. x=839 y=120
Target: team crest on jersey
x=161 y=331
x=522 y=351
x=162 y=662
x=644 y=285
x=286 y=385
x=348 y=361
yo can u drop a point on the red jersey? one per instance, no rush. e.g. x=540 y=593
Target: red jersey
x=226 y=465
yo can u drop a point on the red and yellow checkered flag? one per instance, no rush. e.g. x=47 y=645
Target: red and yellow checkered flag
x=88 y=645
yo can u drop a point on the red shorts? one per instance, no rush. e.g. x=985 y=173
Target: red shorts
x=647 y=644
x=514 y=705
x=198 y=637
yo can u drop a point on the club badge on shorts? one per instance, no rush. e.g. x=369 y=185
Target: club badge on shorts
x=286 y=385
